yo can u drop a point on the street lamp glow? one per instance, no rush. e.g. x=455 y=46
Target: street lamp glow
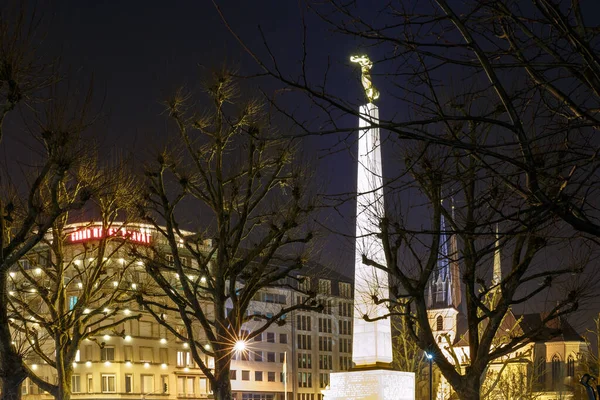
x=429 y=356
x=240 y=345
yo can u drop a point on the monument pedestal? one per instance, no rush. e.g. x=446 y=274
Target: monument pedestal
x=374 y=384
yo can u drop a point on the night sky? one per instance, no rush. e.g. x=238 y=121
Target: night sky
x=138 y=53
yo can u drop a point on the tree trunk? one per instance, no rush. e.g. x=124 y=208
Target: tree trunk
x=222 y=387
x=11 y=386
x=12 y=373
x=469 y=389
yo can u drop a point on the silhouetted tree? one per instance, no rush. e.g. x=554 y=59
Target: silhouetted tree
x=230 y=168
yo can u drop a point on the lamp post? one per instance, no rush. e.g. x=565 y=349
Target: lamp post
x=430 y=359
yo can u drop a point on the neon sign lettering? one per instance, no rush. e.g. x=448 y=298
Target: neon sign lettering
x=83 y=235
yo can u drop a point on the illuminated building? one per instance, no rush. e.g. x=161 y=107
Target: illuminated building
x=135 y=359
x=544 y=369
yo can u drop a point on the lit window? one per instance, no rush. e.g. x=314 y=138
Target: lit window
x=107 y=353
x=571 y=366
x=108 y=383
x=75 y=383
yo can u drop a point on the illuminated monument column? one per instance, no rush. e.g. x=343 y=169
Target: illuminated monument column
x=371 y=378
x=375 y=337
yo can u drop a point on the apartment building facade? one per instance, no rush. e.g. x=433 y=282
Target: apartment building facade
x=141 y=359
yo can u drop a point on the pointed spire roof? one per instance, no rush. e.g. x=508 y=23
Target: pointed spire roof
x=443 y=290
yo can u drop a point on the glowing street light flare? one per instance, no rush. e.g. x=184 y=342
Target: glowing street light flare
x=240 y=345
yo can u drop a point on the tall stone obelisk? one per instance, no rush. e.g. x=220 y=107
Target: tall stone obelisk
x=371 y=377
x=370 y=282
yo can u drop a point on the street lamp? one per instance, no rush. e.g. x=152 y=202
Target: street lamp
x=239 y=346
x=430 y=359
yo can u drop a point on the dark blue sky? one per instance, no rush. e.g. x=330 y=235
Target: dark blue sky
x=139 y=52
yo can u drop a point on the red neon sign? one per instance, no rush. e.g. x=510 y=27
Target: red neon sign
x=83 y=235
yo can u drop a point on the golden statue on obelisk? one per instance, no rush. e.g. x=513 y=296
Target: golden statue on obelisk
x=365 y=67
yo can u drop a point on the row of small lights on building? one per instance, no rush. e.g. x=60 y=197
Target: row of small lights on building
x=38 y=271
x=239 y=346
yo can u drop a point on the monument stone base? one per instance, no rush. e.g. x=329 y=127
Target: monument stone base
x=373 y=384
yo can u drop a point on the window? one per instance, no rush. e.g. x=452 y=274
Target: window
x=439 y=322
x=304 y=342
x=270 y=356
x=345 y=327
x=324 y=325
x=345 y=309
x=270 y=337
x=571 y=366
x=146 y=354
x=88 y=353
x=541 y=370
x=556 y=370
x=147 y=383
x=184 y=358
x=258 y=376
x=271 y=376
x=245 y=375
x=303 y=322
x=75 y=383
x=185 y=386
x=232 y=374
x=164 y=383
x=303 y=283
x=107 y=353
x=90 y=381
x=281 y=357
x=72 y=302
x=78 y=356
x=324 y=286
x=258 y=338
x=345 y=289
x=345 y=345
x=128 y=353
x=325 y=361
x=304 y=379
x=164 y=355
x=203 y=383
x=345 y=363
x=323 y=380
x=108 y=383
x=327 y=307
x=258 y=356
x=325 y=343
x=283 y=338
x=146 y=329
x=304 y=360
x=128 y=383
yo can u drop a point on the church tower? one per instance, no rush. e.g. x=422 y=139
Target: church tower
x=443 y=290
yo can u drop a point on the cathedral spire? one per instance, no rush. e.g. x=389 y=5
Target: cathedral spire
x=443 y=290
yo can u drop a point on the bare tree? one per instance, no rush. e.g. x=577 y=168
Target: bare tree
x=415 y=256
x=248 y=188
x=63 y=293
x=531 y=71
x=503 y=94
x=31 y=197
